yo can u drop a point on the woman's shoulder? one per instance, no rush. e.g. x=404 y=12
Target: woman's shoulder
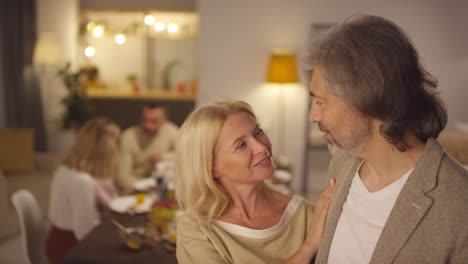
x=302 y=207
x=301 y=204
x=189 y=227
x=72 y=176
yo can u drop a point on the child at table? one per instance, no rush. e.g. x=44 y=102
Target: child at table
x=82 y=185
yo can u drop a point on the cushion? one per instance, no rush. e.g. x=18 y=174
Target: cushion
x=17 y=149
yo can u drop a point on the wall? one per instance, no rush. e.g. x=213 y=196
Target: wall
x=2 y=95
x=236 y=37
x=451 y=63
x=61 y=19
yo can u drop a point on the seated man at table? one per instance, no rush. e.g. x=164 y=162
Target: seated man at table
x=143 y=146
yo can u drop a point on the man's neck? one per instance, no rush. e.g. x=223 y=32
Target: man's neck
x=384 y=163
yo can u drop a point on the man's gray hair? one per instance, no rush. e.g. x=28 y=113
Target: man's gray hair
x=372 y=65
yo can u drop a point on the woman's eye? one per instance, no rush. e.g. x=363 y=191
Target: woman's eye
x=318 y=103
x=241 y=145
x=259 y=132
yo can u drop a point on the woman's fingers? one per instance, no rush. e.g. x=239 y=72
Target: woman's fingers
x=325 y=196
x=320 y=214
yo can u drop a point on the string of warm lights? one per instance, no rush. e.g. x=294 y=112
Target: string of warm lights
x=150 y=25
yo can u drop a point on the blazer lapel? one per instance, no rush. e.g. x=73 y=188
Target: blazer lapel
x=339 y=198
x=411 y=205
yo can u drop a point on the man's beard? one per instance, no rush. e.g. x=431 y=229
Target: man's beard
x=351 y=142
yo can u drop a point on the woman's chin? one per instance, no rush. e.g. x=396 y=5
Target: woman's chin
x=267 y=174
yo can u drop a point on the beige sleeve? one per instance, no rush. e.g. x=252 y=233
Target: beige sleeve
x=191 y=250
x=125 y=177
x=193 y=245
x=172 y=137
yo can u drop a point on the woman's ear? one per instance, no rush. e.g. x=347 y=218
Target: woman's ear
x=215 y=173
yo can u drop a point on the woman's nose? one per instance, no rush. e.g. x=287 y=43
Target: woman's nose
x=259 y=146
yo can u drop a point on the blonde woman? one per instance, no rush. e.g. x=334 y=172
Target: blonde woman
x=231 y=215
x=81 y=185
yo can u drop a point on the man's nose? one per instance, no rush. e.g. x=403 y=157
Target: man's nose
x=314 y=114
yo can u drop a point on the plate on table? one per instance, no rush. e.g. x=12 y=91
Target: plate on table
x=144 y=185
x=128 y=204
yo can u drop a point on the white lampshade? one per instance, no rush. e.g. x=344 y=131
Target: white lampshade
x=47 y=50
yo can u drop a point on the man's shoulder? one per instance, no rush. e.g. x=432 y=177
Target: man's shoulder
x=130 y=132
x=453 y=179
x=171 y=126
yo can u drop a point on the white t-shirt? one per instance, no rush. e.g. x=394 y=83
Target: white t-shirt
x=73 y=201
x=361 y=222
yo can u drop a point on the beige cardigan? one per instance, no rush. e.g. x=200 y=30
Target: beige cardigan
x=429 y=221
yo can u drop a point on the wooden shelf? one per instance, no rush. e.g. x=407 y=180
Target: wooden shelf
x=143 y=94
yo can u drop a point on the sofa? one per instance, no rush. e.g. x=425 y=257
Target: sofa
x=22 y=168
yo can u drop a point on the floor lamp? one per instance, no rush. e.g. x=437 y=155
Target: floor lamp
x=282 y=70
x=46 y=55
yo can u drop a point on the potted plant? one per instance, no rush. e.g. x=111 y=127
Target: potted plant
x=76 y=105
x=132 y=78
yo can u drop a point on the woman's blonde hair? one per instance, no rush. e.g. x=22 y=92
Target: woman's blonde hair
x=197 y=191
x=95 y=149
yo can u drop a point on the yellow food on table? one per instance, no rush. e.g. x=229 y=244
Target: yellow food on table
x=140 y=198
x=133 y=245
x=173 y=237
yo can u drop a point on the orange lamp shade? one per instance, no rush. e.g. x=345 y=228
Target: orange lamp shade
x=282 y=68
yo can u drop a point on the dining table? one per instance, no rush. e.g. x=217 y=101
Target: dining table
x=104 y=245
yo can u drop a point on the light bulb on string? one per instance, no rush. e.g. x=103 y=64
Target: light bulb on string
x=98 y=31
x=120 y=38
x=173 y=28
x=149 y=20
x=159 y=26
x=89 y=51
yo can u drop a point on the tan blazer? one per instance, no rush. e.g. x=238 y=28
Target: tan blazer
x=429 y=221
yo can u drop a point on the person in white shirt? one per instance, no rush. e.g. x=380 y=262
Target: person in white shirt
x=399 y=197
x=82 y=185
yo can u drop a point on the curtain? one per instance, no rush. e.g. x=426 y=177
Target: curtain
x=20 y=85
